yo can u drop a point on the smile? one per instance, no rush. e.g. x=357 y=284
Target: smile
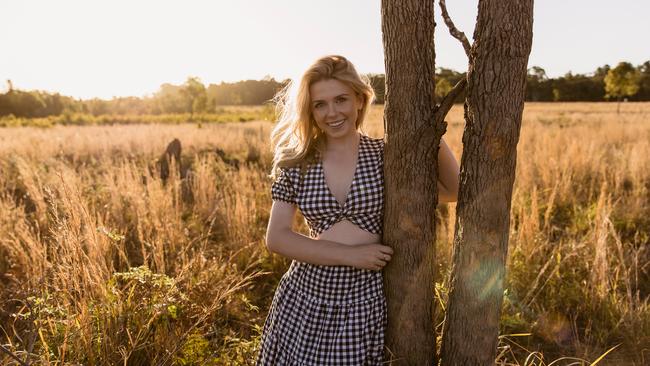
x=336 y=123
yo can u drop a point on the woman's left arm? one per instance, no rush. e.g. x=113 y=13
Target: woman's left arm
x=448 y=174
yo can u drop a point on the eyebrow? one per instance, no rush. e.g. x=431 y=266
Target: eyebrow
x=340 y=95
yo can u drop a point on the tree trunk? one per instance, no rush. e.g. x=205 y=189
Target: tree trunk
x=411 y=151
x=493 y=112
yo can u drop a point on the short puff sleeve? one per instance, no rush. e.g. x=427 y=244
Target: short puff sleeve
x=283 y=188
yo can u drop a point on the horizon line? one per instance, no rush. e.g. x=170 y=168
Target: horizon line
x=4 y=89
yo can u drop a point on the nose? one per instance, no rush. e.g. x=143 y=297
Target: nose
x=331 y=110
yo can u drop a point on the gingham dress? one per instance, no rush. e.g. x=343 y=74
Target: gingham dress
x=329 y=315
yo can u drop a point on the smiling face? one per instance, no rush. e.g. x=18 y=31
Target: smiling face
x=335 y=108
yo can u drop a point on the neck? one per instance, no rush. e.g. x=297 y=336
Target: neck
x=345 y=143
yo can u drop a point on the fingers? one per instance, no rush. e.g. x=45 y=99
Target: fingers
x=381 y=261
x=385 y=257
x=379 y=256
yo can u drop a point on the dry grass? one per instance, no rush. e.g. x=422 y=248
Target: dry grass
x=101 y=262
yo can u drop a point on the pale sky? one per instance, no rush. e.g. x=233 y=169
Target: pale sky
x=106 y=48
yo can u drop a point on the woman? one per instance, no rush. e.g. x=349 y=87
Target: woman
x=329 y=307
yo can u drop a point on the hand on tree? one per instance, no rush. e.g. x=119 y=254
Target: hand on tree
x=369 y=256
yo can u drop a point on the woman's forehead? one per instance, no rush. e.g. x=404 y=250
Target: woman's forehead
x=328 y=88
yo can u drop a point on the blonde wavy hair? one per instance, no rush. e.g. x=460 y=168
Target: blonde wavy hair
x=295 y=136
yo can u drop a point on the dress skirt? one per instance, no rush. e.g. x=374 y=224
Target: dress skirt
x=325 y=315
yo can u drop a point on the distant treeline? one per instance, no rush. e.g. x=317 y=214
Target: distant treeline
x=606 y=83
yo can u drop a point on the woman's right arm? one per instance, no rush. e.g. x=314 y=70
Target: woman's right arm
x=281 y=239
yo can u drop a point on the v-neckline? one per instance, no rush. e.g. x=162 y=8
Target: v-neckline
x=354 y=176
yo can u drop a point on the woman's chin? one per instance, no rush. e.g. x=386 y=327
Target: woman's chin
x=339 y=133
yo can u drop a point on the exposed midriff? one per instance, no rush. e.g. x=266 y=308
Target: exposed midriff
x=345 y=232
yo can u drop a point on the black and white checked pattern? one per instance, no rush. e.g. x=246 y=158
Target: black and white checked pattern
x=364 y=204
x=325 y=315
x=329 y=315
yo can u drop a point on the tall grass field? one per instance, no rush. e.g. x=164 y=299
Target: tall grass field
x=105 y=262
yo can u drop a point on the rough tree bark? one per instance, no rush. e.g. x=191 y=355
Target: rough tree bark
x=412 y=139
x=493 y=112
